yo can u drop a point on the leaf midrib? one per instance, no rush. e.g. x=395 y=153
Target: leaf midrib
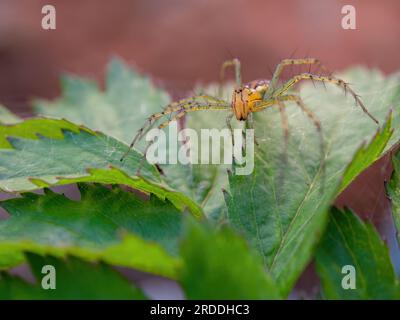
x=285 y=235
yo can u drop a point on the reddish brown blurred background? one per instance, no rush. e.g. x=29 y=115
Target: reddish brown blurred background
x=180 y=42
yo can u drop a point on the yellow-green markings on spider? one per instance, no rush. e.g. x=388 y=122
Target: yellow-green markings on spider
x=252 y=97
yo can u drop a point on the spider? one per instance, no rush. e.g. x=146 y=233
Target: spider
x=252 y=97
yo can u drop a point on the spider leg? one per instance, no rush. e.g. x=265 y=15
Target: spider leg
x=345 y=86
x=148 y=125
x=279 y=101
x=250 y=125
x=284 y=121
x=184 y=104
x=285 y=126
x=232 y=63
x=179 y=115
x=250 y=121
x=264 y=104
x=229 y=125
x=299 y=102
x=174 y=118
x=161 y=126
x=289 y=62
x=311 y=115
x=238 y=76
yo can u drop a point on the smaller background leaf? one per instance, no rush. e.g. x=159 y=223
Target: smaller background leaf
x=75 y=279
x=349 y=241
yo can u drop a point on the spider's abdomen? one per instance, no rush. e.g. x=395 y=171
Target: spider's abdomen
x=245 y=98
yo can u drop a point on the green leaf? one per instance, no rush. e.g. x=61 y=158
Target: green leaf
x=282 y=208
x=74 y=279
x=367 y=154
x=7 y=117
x=282 y=218
x=92 y=228
x=38 y=153
x=204 y=182
x=119 y=111
x=350 y=242
x=393 y=190
x=218 y=264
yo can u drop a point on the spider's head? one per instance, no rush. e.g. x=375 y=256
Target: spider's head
x=244 y=98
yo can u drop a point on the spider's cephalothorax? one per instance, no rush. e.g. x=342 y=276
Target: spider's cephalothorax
x=253 y=97
x=245 y=98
